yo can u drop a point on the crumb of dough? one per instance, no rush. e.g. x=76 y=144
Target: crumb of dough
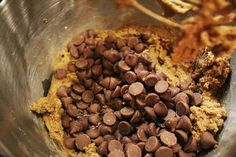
x=210 y=116
x=210 y=72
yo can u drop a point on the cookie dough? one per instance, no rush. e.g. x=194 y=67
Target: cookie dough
x=208 y=117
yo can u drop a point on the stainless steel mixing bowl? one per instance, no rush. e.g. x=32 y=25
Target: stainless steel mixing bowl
x=31 y=32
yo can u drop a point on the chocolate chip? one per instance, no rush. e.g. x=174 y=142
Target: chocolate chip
x=94 y=108
x=104 y=130
x=151 y=129
x=152 y=144
x=62 y=91
x=96 y=88
x=136 y=117
x=132 y=41
x=127 y=112
x=120 y=43
x=116 y=93
x=166 y=96
x=69 y=142
x=82 y=105
x=108 y=138
x=139 y=47
x=141 y=134
x=73 y=51
x=136 y=88
x=164 y=152
x=102 y=149
x=181 y=97
x=94 y=119
x=162 y=75
x=161 y=86
x=71 y=67
x=78 y=88
x=110 y=40
x=133 y=150
x=125 y=48
x=176 y=148
x=151 y=99
x=167 y=138
x=140 y=100
x=174 y=91
x=115 y=145
x=171 y=123
x=125 y=140
x=124 y=89
x=207 y=141
x=116 y=153
x=107 y=64
x=109 y=118
x=142 y=74
x=113 y=83
x=160 y=109
x=84 y=121
x=184 y=123
x=112 y=55
x=130 y=77
x=87 y=96
x=131 y=60
x=81 y=63
x=81 y=48
x=140 y=67
x=65 y=120
x=97 y=70
x=81 y=74
x=93 y=133
x=124 y=127
x=72 y=110
x=196 y=99
x=182 y=108
x=105 y=82
x=100 y=49
x=117 y=104
x=192 y=145
x=88 y=51
x=98 y=140
x=171 y=114
x=128 y=98
x=123 y=67
x=88 y=83
x=101 y=98
x=182 y=136
x=76 y=126
x=151 y=79
x=145 y=35
x=145 y=58
x=141 y=145
x=150 y=113
x=107 y=94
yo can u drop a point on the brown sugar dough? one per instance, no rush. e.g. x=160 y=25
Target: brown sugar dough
x=210 y=116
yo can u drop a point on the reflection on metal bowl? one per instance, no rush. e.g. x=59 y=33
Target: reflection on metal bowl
x=31 y=32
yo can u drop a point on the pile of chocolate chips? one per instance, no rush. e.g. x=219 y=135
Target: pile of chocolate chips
x=124 y=106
